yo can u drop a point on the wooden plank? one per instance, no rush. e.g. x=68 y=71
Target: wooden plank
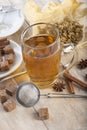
x=21 y=118
x=67 y=114
x=22 y=78
x=64 y=114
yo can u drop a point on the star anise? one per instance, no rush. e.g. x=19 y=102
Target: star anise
x=82 y=64
x=58 y=86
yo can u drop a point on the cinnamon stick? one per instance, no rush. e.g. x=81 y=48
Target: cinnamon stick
x=70 y=86
x=74 y=79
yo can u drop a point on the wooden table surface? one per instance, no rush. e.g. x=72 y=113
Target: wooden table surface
x=64 y=114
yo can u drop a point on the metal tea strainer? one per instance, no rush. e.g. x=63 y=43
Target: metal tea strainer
x=28 y=94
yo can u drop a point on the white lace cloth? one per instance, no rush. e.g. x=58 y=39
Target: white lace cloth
x=16 y=3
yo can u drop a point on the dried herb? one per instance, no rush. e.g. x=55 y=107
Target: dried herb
x=59 y=86
x=70 y=31
x=82 y=64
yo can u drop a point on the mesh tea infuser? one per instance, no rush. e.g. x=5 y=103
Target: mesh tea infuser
x=28 y=94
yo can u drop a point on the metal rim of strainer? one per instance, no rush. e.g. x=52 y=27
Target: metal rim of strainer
x=18 y=91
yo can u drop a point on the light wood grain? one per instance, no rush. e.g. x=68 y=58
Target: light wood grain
x=64 y=114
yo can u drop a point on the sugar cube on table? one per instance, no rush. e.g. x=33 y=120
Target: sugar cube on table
x=43 y=113
x=11 y=89
x=3 y=95
x=9 y=105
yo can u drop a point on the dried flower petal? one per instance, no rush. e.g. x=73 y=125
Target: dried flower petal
x=70 y=31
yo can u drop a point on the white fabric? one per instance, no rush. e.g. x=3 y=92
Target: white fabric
x=16 y=3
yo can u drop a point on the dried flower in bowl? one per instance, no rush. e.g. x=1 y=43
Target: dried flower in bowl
x=70 y=31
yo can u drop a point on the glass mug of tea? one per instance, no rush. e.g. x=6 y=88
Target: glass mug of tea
x=41 y=50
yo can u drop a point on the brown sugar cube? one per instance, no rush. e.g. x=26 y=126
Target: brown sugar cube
x=1 y=47
x=0 y=65
x=3 y=96
x=4 y=43
x=4 y=66
x=8 y=49
x=9 y=58
x=11 y=90
x=43 y=113
x=7 y=42
x=0 y=58
x=3 y=39
x=9 y=105
x=0 y=53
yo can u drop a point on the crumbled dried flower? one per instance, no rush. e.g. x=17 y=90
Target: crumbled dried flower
x=70 y=31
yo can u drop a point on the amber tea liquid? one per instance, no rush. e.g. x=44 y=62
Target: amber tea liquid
x=42 y=58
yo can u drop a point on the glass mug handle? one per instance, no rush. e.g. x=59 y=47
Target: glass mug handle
x=74 y=58
x=69 y=64
x=75 y=54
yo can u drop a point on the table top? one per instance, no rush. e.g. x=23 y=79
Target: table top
x=64 y=113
